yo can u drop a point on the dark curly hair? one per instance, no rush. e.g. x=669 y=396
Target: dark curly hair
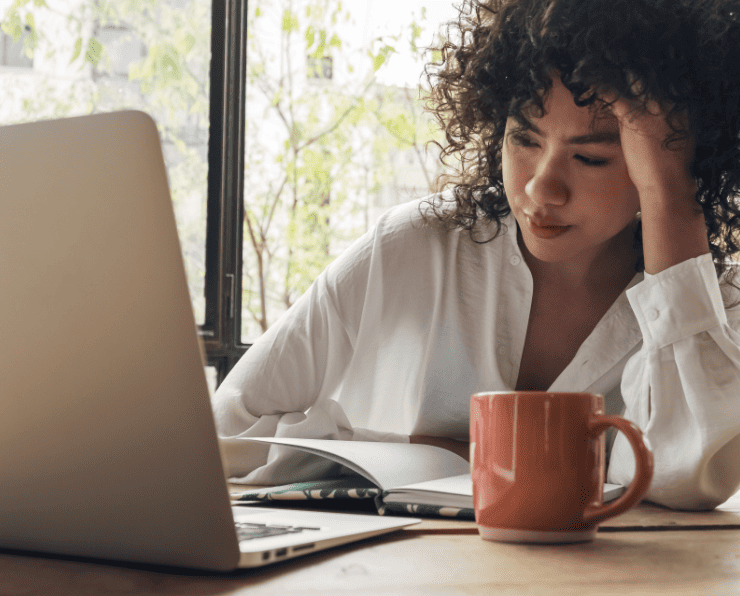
x=499 y=56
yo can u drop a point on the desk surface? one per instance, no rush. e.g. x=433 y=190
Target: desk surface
x=648 y=550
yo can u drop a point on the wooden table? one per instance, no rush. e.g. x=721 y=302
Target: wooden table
x=648 y=550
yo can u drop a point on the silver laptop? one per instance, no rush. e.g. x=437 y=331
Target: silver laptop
x=107 y=437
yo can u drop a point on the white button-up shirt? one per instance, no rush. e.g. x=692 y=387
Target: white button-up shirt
x=394 y=337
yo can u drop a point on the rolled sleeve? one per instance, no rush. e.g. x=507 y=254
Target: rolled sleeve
x=678 y=302
x=683 y=388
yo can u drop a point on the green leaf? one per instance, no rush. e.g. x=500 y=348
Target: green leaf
x=377 y=61
x=415 y=34
x=77 y=50
x=310 y=37
x=380 y=58
x=94 y=52
x=319 y=52
x=187 y=43
x=277 y=97
x=290 y=21
x=169 y=67
x=13 y=27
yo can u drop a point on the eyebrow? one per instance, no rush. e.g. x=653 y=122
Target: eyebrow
x=604 y=137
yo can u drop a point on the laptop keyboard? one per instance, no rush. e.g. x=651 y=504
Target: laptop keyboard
x=250 y=531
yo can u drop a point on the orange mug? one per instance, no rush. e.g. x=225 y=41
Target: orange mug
x=537 y=462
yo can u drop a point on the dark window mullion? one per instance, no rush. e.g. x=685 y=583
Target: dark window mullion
x=225 y=185
x=211 y=328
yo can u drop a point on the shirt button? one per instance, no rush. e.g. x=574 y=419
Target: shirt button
x=515 y=260
x=652 y=314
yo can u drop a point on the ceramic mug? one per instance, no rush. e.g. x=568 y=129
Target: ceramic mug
x=537 y=462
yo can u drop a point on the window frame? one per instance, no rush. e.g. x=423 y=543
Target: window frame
x=221 y=329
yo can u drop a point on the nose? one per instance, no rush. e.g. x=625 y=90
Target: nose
x=547 y=185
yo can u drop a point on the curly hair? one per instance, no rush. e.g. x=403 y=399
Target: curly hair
x=498 y=58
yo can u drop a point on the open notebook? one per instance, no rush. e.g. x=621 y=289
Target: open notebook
x=402 y=478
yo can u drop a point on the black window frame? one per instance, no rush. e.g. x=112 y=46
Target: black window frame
x=221 y=329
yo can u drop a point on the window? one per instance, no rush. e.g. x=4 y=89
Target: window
x=335 y=135
x=87 y=56
x=320 y=96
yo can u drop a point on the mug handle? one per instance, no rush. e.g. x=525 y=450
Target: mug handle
x=643 y=468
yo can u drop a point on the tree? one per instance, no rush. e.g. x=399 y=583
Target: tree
x=317 y=147
x=103 y=55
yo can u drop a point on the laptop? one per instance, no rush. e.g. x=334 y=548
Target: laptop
x=106 y=430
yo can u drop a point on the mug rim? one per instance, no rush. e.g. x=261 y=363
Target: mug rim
x=536 y=393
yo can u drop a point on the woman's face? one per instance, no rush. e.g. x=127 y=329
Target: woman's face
x=566 y=180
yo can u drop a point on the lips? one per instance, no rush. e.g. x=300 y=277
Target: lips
x=546 y=228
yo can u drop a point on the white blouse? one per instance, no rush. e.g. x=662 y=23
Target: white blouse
x=398 y=332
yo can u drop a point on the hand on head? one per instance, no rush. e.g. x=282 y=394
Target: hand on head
x=658 y=149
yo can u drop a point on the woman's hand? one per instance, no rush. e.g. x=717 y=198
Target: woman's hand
x=461 y=448
x=659 y=173
x=673 y=229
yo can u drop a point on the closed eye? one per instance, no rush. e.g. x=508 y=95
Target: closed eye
x=523 y=140
x=591 y=162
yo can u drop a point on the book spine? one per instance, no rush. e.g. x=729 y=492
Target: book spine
x=415 y=510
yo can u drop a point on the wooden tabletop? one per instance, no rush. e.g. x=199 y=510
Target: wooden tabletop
x=648 y=550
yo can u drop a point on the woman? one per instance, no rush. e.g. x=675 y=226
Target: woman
x=582 y=247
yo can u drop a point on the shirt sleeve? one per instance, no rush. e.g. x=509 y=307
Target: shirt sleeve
x=683 y=388
x=285 y=383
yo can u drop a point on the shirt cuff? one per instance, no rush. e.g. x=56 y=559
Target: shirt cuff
x=677 y=303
